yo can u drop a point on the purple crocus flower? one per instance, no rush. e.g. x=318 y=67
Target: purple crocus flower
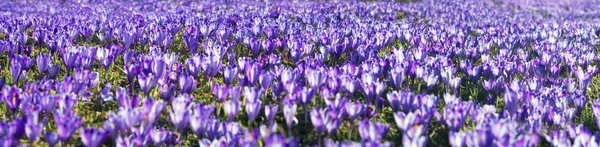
x=252 y=72
x=220 y=91
x=131 y=71
x=51 y=138
x=146 y=82
x=265 y=79
x=270 y=113
x=252 y=109
x=229 y=74
x=415 y=137
x=190 y=38
x=457 y=139
x=558 y=138
x=396 y=77
x=232 y=107
x=252 y=94
x=43 y=62
x=349 y=84
x=152 y=109
x=212 y=65
x=187 y=84
x=180 y=111
x=511 y=98
x=53 y=71
x=431 y=79
x=372 y=131
x=69 y=59
x=306 y=95
x=158 y=67
x=93 y=137
x=234 y=92
x=167 y=91
x=33 y=129
x=194 y=65
x=160 y=136
x=318 y=119
x=125 y=101
x=315 y=78
x=127 y=38
x=200 y=115
x=17 y=72
x=25 y=61
x=333 y=121
x=455 y=115
x=66 y=124
x=12 y=97
x=354 y=110
x=289 y=112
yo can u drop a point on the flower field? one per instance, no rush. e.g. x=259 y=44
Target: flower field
x=207 y=73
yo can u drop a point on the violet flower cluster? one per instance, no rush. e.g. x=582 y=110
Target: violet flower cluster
x=211 y=73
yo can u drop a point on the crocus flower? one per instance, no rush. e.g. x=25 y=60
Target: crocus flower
x=190 y=38
x=315 y=78
x=232 y=107
x=12 y=97
x=270 y=113
x=200 y=114
x=318 y=119
x=252 y=94
x=372 y=131
x=289 y=112
x=334 y=121
x=253 y=71
x=457 y=139
x=252 y=109
x=51 y=138
x=212 y=65
x=33 y=130
x=127 y=38
x=234 y=92
x=93 y=137
x=17 y=72
x=180 y=109
x=43 y=62
x=229 y=74
x=53 y=71
x=220 y=91
x=70 y=59
x=158 y=67
x=306 y=95
x=511 y=99
x=146 y=82
x=455 y=115
x=187 y=84
x=66 y=124
x=126 y=101
x=48 y=103
x=152 y=109
x=354 y=110
x=431 y=80
x=414 y=137
x=160 y=136
x=106 y=94
x=131 y=71
x=167 y=91
x=396 y=77
x=265 y=79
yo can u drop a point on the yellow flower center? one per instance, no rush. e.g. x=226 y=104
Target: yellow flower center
x=14 y=99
